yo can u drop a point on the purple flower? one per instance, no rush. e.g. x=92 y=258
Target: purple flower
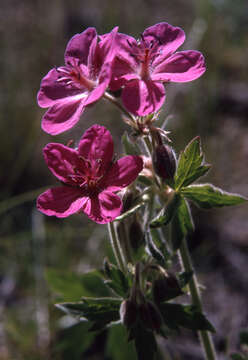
x=89 y=176
x=142 y=67
x=68 y=89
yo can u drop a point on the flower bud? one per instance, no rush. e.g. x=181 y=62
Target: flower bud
x=164 y=162
x=136 y=235
x=165 y=288
x=150 y=316
x=128 y=312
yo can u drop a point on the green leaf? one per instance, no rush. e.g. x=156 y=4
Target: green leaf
x=117 y=346
x=130 y=212
x=191 y=164
x=208 y=196
x=100 y=311
x=130 y=148
x=182 y=224
x=116 y=280
x=71 y=286
x=187 y=316
x=167 y=213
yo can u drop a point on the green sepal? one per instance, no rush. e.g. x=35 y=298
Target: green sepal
x=191 y=164
x=117 y=281
x=152 y=248
x=167 y=213
x=207 y=196
x=72 y=286
x=145 y=342
x=182 y=224
x=99 y=311
x=187 y=316
x=130 y=148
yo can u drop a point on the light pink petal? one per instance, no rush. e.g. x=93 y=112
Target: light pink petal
x=168 y=37
x=79 y=46
x=62 y=161
x=108 y=46
x=103 y=83
x=97 y=144
x=182 y=66
x=143 y=97
x=63 y=115
x=104 y=208
x=61 y=201
x=51 y=90
x=123 y=172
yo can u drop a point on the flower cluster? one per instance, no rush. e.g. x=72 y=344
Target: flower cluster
x=93 y=65
x=118 y=62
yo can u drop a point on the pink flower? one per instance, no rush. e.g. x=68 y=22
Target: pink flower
x=68 y=89
x=142 y=67
x=90 y=177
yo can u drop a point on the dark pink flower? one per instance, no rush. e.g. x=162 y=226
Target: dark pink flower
x=90 y=177
x=68 y=89
x=142 y=67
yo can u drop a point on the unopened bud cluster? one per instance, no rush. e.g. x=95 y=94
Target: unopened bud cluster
x=164 y=162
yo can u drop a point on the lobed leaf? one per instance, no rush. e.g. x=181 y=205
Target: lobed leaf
x=191 y=164
x=207 y=196
x=99 y=311
x=116 y=280
x=187 y=316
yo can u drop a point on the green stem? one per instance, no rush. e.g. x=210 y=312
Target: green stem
x=116 y=246
x=205 y=336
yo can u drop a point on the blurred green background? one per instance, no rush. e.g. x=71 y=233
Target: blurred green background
x=33 y=37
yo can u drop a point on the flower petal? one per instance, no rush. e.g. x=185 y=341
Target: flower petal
x=51 y=90
x=61 y=201
x=143 y=97
x=104 y=208
x=182 y=66
x=62 y=161
x=104 y=79
x=97 y=144
x=123 y=172
x=63 y=115
x=79 y=46
x=168 y=36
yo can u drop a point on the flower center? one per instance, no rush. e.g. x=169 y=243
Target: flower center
x=144 y=51
x=74 y=75
x=88 y=176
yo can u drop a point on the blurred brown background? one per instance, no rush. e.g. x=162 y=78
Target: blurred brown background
x=33 y=36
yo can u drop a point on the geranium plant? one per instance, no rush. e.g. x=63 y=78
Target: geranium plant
x=141 y=194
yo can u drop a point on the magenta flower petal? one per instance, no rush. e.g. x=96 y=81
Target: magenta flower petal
x=104 y=208
x=61 y=160
x=79 y=46
x=182 y=66
x=143 y=97
x=61 y=201
x=52 y=91
x=123 y=172
x=63 y=115
x=169 y=37
x=98 y=92
x=97 y=145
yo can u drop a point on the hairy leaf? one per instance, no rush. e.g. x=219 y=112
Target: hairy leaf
x=208 y=196
x=116 y=280
x=191 y=164
x=167 y=213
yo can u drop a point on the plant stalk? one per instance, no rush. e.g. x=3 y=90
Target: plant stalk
x=116 y=246
x=205 y=336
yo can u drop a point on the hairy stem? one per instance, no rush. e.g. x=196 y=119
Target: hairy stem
x=116 y=246
x=205 y=336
